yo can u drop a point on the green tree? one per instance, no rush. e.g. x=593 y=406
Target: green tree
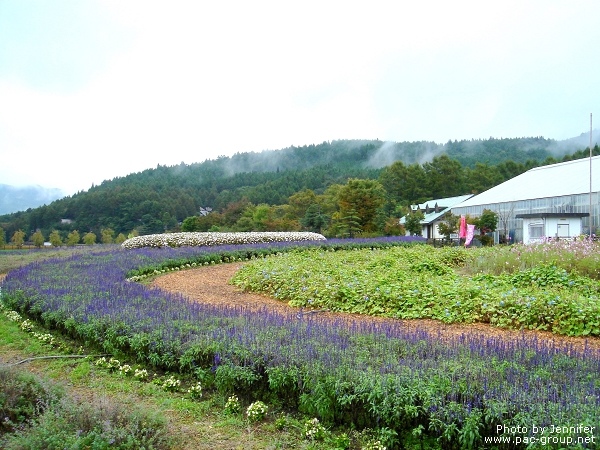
x=449 y=225
x=329 y=200
x=2 y=237
x=444 y=177
x=404 y=183
x=487 y=221
x=202 y=223
x=413 y=223
x=346 y=224
x=170 y=222
x=314 y=220
x=281 y=219
x=18 y=238
x=261 y=216
x=190 y=224
x=481 y=178
x=120 y=238
x=89 y=238
x=38 y=239
x=55 y=238
x=107 y=235
x=73 y=238
x=362 y=198
x=151 y=225
x=301 y=201
x=234 y=211
x=246 y=221
x=393 y=227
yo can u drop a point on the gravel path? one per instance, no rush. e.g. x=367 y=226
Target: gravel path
x=211 y=285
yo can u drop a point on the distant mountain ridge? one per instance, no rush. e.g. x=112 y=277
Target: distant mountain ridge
x=159 y=198
x=14 y=198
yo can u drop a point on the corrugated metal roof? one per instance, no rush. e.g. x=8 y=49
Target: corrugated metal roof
x=429 y=218
x=556 y=180
x=445 y=203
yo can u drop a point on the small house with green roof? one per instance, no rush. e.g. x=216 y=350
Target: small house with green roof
x=433 y=212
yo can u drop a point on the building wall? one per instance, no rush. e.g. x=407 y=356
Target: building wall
x=536 y=229
x=431 y=231
x=509 y=225
x=436 y=230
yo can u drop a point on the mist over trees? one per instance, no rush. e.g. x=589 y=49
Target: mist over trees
x=340 y=188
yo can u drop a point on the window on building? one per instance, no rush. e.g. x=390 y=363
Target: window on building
x=562 y=230
x=536 y=230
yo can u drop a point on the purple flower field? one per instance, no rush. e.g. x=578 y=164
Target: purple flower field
x=363 y=375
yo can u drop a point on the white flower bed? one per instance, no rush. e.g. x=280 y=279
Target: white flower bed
x=197 y=239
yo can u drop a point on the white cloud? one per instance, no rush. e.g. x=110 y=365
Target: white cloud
x=194 y=80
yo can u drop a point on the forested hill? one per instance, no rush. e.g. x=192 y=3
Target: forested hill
x=160 y=198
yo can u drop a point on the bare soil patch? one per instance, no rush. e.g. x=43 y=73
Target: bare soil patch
x=211 y=285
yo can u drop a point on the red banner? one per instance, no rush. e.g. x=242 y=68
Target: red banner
x=462 y=232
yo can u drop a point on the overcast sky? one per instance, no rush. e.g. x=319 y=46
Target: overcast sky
x=91 y=90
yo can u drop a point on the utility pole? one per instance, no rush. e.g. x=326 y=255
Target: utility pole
x=591 y=216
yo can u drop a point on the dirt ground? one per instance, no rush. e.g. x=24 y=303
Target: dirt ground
x=211 y=285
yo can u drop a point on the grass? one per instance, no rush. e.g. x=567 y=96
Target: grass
x=41 y=411
x=12 y=258
x=96 y=395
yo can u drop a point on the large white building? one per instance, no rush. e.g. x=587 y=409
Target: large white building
x=547 y=201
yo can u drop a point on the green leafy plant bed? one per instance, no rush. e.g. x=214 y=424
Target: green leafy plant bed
x=419 y=282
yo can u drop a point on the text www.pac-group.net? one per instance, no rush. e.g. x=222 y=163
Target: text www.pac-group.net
x=547 y=435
